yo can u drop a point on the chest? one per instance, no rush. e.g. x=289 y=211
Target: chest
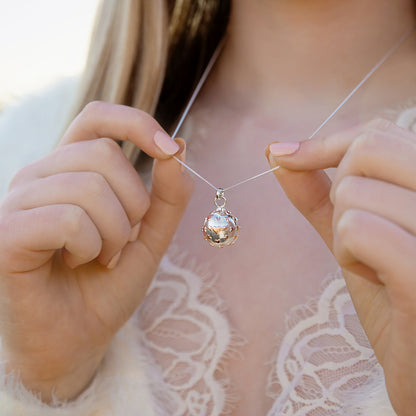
x=277 y=262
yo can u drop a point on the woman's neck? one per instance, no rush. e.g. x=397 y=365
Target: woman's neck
x=301 y=49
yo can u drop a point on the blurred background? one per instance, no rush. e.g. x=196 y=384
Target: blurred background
x=41 y=41
x=43 y=46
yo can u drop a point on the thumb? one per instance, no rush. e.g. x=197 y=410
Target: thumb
x=309 y=193
x=171 y=190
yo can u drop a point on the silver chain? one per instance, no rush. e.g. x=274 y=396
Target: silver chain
x=208 y=70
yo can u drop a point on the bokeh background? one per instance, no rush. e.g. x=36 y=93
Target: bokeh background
x=43 y=48
x=41 y=41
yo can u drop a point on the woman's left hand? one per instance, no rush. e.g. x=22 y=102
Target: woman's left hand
x=367 y=217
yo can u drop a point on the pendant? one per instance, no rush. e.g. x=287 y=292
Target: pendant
x=220 y=227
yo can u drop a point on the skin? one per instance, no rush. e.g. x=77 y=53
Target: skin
x=374 y=241
x=53 y=256
x=258 y=92
x=57 y=248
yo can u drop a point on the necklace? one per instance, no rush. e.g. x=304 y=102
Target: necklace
x=221 y=227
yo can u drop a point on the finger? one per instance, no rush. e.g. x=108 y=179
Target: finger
x=380 y=156
x=171 y=190
x=88 y=190
x=102 y=156
x=384 y=247
x=309 y=193
x=31 y=237
x=396 y=204
x=325 y=152
x=119 y=122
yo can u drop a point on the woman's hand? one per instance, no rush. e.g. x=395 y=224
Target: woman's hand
x=81 y=239
x=367 y=217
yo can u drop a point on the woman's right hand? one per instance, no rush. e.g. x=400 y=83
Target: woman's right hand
x=80 y=241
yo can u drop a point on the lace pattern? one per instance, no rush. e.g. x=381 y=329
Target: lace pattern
x=183 y=322
x=324 y=364
x=323 y=360
x=323 y=356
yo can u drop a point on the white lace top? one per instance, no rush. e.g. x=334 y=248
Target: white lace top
x=169 y=359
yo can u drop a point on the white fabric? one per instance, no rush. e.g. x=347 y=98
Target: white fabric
x=168 y=359
x=325 y=364
x=123 y=385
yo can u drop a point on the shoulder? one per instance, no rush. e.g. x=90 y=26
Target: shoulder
x=30 y=127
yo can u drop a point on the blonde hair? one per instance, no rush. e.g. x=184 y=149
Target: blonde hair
x=135 y=41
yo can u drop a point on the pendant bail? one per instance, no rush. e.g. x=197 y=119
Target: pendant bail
x=220 y=199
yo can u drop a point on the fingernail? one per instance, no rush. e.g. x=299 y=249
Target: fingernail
x=114 y=260
x=181 y=156
x=272 y=161
x=283 y=149
x=166 y=144
x=134 y=233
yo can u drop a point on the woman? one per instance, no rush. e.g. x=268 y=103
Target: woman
x=84 y=243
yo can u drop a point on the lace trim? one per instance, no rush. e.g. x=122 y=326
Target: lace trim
x=187 y=333
x=323 y=357
x=321 y=362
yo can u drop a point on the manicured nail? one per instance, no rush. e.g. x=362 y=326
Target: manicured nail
x=283 y=149
x=114 y=260
x=182 y=145
x=272 y=161
x=134 y=233
x=166 y=144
